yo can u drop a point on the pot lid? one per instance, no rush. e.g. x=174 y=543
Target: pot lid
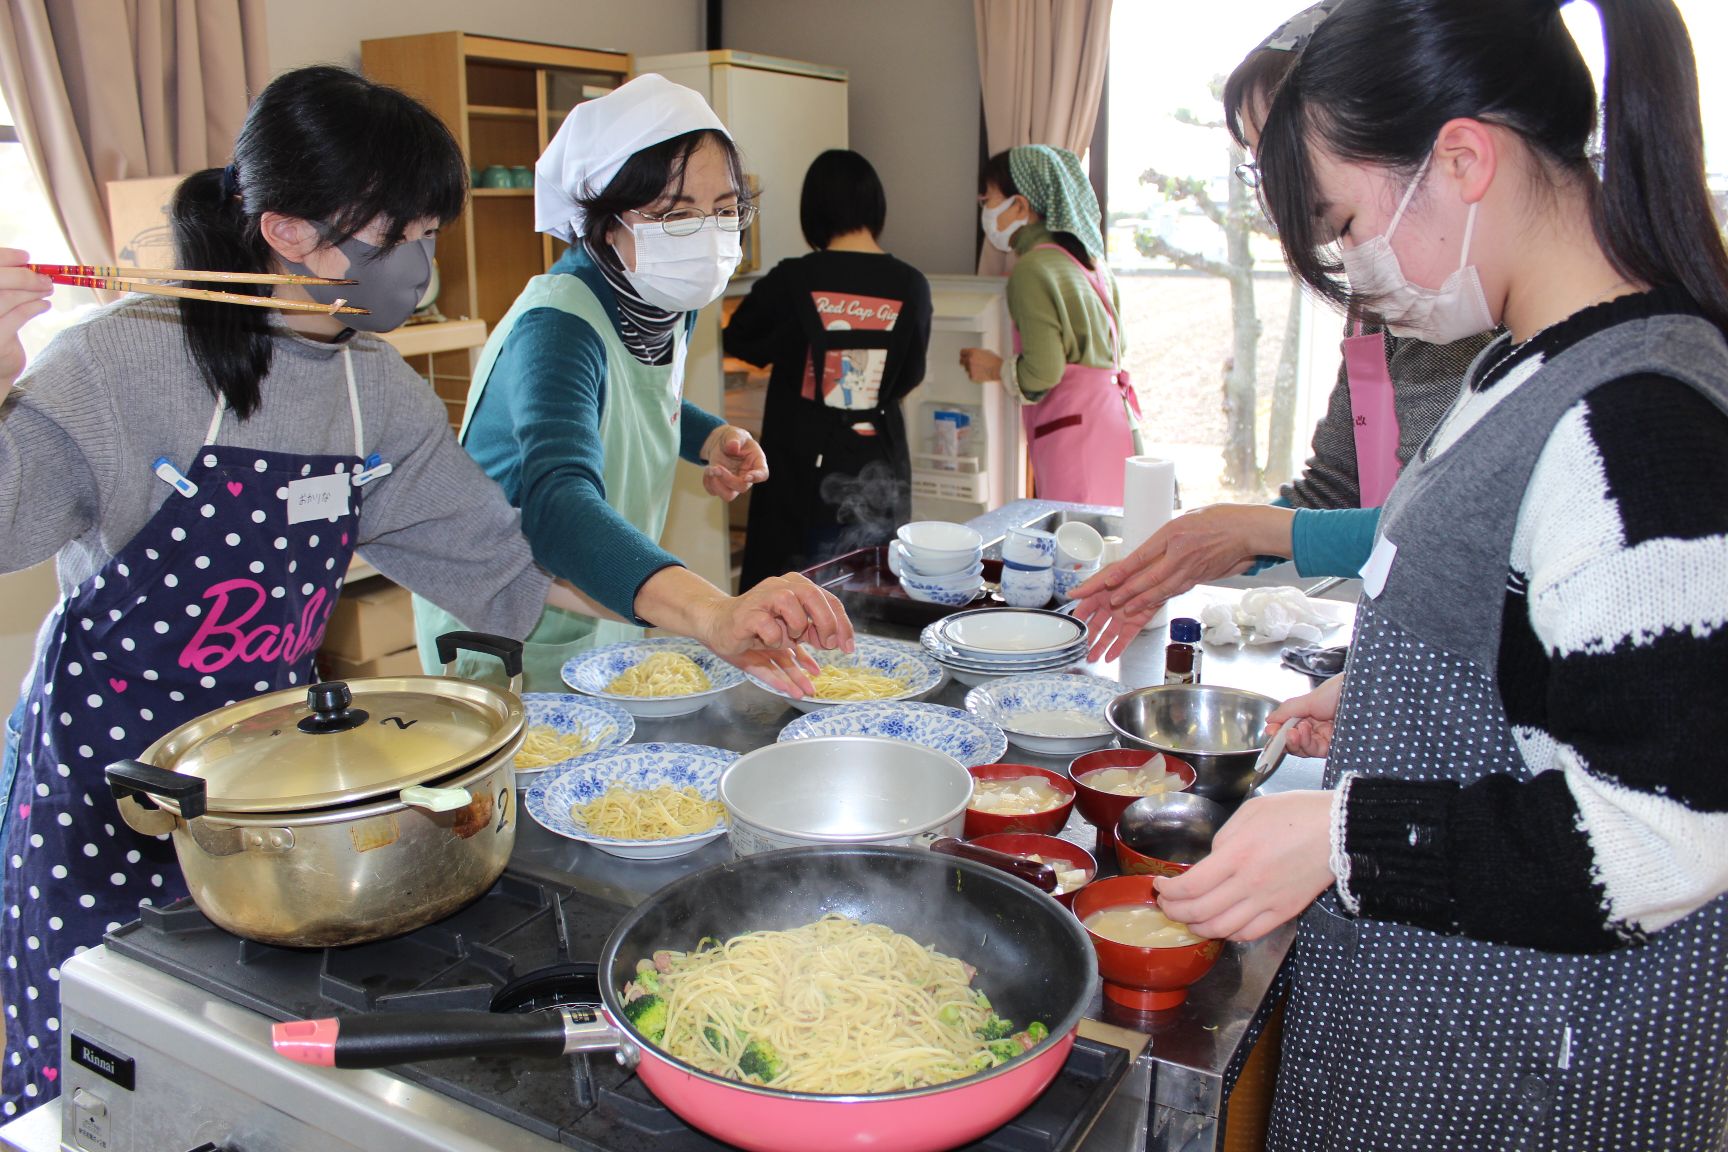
x=339 y=742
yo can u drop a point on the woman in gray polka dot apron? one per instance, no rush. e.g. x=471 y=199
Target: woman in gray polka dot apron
x=203 y=474
x=1513 y=928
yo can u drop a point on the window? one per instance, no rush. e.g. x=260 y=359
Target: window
x=1230 y=382
x=27 y=222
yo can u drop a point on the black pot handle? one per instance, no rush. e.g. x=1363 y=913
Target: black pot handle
x=383 y=1039
x=1040 y=876
x=507 y=650
x=148 y=783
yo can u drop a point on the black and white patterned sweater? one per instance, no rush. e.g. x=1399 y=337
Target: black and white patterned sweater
x=1613 y=667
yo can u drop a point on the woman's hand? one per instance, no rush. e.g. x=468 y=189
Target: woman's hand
x=23 y=297
x=1205 y=544
x=736 y=462
x=780 y=612
x=1268 y=863
x=788 y=669
x=981 y=364
x=1310 y=718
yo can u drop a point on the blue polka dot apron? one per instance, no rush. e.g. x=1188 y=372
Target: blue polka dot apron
x=218 y=598
x=1400 y=1038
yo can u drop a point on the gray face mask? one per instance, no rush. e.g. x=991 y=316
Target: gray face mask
x=390 y=283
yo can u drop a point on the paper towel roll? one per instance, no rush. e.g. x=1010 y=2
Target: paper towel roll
x=1148 y=501
x=1148 y=498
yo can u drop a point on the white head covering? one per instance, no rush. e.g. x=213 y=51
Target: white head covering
x=600 y=135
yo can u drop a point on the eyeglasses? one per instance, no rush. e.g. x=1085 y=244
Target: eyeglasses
x=1248 y=173
x=689 y=221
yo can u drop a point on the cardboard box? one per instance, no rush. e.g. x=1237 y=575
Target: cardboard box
x=403 y=663
x=375 y=619
x=138 y=221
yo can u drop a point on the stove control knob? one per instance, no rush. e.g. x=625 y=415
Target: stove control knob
x=89 y=1104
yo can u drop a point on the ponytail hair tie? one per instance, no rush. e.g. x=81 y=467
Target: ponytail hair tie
x=230 y=183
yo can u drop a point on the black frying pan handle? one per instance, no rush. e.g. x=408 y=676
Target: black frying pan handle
x=150 y=783
x=382 y=1039
x=507 y=650
x=1040 y=876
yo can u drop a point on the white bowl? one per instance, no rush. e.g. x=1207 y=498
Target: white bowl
x=555 y=791
x=937 y=548
x=590 y=672
x=1078 y=546
x=947 y=597
x=939 y=536
x=890 y=657
x=1052 y=715
x=965 y=578
x=991 y=632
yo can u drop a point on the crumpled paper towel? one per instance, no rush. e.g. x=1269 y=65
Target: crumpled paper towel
x=1264 y=616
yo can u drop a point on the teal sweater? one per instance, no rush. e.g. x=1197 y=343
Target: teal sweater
x=1332 y=541
x=552 y=373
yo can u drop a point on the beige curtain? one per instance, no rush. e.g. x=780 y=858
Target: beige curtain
x=1042 y=67
x=120 y=89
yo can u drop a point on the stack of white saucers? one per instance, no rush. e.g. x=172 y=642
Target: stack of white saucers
x=987 y=643
x=938 y=562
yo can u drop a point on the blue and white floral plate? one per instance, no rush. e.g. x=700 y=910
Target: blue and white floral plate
x=552 y=795
x=565 y=714
x=968 y=738
x=590 y=672
x=1049 y=715
x=889 y=657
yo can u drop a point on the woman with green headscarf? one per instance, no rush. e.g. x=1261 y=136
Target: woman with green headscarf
x=1082 y=416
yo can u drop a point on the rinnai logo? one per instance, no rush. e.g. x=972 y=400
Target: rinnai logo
x=111 y=1066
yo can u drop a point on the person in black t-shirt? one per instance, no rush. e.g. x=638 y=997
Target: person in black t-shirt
x=845 y=330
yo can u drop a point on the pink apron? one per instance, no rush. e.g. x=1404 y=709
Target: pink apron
x=1079 y=434
x=1373 y=414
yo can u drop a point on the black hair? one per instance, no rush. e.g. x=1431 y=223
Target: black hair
x=649 y=176
x=1252 y=85
x=321 y=144
x=1380 y=78
x=842 y=194
x=999 y=174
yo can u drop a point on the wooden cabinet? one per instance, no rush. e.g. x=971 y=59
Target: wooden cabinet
x=503 y=100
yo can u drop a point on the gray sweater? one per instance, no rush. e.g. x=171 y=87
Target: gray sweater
x=80 y=432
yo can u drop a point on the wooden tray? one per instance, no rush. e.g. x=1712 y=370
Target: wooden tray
x=867 y=588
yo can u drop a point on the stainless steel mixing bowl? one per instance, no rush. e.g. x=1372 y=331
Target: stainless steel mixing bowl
x=843 y=790
x=1220 y=731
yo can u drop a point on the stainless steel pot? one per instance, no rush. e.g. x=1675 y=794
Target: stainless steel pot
x=1220 y=731
x=348 y=812
x=843 y=790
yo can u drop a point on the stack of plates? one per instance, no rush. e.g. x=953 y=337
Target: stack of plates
x=986 y=643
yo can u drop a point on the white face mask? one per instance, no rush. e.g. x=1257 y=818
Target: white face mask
x=682 y=273
x=1000 y=239
x=1455 y=311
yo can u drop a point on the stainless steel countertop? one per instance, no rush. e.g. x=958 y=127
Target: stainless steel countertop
x=1199 y=1046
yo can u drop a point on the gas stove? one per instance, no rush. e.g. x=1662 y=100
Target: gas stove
x=165 y=1047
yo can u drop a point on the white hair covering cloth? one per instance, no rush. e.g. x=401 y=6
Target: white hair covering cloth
x=600 y=135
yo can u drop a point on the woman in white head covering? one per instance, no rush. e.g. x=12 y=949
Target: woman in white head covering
x=577 y=405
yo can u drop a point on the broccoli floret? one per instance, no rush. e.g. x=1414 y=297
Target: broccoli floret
x=949 y=1014
x=995 y=1028
x=1003 y=1050
x=649 y=1015
x=648 y=978
x=1037 y=1031
x=761 y=1061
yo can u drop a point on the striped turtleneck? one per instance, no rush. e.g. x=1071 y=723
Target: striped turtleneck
x=645 y=329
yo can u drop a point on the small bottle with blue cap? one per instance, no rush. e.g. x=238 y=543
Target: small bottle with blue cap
x=1182 y=654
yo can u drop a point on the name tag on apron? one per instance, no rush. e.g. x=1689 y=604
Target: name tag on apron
x=318 y=497
x=1379 y=567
